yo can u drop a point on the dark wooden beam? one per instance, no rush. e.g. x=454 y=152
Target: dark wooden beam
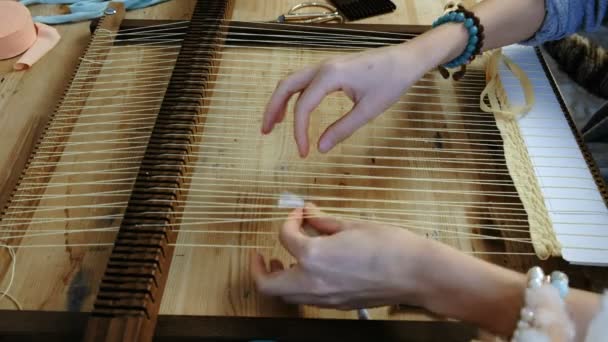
x=33 y=326
x=275 y=34
x=130 y=292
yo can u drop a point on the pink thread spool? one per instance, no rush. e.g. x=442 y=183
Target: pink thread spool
x=17 y=30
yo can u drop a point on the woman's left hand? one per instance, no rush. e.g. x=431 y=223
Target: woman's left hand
x=373 y=80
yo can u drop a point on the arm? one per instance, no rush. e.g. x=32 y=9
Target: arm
x=505 y=23
x=471 y=290
x=356 y=265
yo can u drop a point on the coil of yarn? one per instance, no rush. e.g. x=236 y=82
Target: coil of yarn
x=19 y=35
x=17 y=30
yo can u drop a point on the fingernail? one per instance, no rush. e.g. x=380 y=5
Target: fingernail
x=324 y=146
x=267 y=129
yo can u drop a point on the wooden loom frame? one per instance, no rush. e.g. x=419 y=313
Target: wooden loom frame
x=141 y=257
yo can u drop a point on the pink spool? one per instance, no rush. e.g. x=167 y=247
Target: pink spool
x=17 y=30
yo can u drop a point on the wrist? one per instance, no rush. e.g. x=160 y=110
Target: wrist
x=411 y=268
x=441 y=44
x=466 y=288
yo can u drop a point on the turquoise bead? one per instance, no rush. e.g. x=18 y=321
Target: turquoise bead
x=561 y=287
x=473 y=30
x=560 y=281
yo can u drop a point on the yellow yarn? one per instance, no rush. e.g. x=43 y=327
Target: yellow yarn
x=495 y=93
x=518 y=160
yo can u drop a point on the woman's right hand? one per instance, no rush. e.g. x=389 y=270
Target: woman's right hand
x=373 y=80
x=347 y=265
x=352 y=265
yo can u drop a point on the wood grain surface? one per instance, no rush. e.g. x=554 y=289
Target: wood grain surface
x=66 y=279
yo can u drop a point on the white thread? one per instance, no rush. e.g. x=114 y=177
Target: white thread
x=289 y=200
x=5 y=293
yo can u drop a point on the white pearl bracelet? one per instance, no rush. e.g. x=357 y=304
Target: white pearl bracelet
x=537 y=279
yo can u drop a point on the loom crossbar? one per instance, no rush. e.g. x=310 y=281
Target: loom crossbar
x=131 y=290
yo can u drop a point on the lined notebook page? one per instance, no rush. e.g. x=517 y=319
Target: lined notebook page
x=576 y=209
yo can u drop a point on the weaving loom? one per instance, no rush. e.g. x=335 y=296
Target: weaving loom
x=151 y=181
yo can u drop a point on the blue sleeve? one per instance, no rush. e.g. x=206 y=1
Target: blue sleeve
x=564 y=17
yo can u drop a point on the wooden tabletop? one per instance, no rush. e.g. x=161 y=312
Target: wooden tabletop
x=28 y=98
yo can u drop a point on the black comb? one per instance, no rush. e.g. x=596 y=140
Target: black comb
x=361 y=9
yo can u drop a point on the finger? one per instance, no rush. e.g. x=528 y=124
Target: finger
x=269 y=283
x=291 y=235
x=335 y=301
x=282 y=116
x=257 y=265
x=307 y=299
x=321 y=86
x=346 y=126
x=275 y=109
x=282 y=283
x=327 y=302
x=322 y=222
x=276 y=265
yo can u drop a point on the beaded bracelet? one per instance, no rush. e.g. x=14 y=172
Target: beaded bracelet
x=474 y=44
x=536 y=278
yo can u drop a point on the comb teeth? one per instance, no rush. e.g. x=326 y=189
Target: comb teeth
x=361 y=9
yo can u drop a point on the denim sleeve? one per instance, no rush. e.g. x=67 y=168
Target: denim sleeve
x=564 y=17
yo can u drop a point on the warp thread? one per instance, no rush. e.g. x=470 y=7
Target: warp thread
x=5 y=293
